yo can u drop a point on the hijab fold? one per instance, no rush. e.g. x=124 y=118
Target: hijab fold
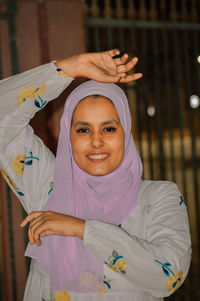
x=109 y=198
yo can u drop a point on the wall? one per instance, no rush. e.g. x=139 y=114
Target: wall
x=46 y=30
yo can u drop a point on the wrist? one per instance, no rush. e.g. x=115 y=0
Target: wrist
x=70 y=65
x=79 y=225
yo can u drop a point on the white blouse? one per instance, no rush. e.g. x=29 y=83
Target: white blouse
x=147 y=257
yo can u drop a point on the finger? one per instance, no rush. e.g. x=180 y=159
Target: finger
x=121 y=60
x=35 y=224
x=36 y=233
x=47 y=233
x=30 y=217
x=113 y=78
x=131 y=77
x=127 y=67
x=38 y=220
x=30 y=237
x=113 y=52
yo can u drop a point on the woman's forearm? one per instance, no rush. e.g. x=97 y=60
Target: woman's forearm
x=45 y=223
x=25 y=94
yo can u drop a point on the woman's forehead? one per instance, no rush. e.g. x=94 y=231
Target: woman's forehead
x=95 y=106
x=95 y=97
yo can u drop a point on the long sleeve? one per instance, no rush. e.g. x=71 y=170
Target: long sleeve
x=25 y=162
x=151 y=249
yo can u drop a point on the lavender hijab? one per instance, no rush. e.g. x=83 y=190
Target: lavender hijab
x=109 y=198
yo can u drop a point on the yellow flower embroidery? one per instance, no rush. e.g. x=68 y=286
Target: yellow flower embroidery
x=174 y=281
x=8 y=179
x=18 y=164
x=122 y=265
x=62 y=296
x=103 y=290
x=30 y=92
x=113 y=267
x=117 y=263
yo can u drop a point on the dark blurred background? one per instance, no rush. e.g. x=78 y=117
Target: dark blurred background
x=165 y=103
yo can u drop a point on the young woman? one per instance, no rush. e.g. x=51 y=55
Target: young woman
x=100 y=232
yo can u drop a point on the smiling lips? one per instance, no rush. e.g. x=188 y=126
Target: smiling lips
x=100 y=157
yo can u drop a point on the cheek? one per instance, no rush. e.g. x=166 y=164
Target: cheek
x=78 y=145
x=117 y=146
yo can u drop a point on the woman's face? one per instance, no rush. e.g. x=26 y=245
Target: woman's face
x=97 y=136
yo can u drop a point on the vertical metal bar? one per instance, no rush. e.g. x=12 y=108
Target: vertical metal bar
x=177 y=74
x=87 y=38
x=26 y=240
x=121 y=39
x=110 y=38
x=193 y=143
x=12 y=7
x=145 y=91
x=158 y=104
x=97 y=39
x=196 y=37
x=138 y=103
x=169 y=104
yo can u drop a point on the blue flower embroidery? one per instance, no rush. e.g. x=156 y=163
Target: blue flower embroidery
x=165 y=267
x=19 y=191
x=39 y=102
x=106 y=285
x=32 y=92
x=51 y=187
x=107 y=282
x=28 y=160
x=182 y=201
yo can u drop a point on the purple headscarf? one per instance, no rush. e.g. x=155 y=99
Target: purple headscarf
x=109 y=198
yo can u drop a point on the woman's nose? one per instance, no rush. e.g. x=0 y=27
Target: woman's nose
x=97 y=140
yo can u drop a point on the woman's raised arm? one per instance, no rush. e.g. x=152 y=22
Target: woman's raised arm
x=25 y=162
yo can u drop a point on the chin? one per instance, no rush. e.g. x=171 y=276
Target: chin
x=98 y=172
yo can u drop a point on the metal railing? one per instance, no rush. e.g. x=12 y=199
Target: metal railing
x=165 y=104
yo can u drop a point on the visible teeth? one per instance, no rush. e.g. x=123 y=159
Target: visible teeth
x=97 y=157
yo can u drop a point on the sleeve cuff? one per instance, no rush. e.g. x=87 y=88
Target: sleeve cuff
x=60 y=72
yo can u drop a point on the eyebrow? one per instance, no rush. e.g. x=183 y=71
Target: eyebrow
x=84 y=123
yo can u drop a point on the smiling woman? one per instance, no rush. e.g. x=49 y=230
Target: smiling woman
x=97 y=231
x=98 y=144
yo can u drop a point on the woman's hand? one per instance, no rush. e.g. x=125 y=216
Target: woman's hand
x=100 y=66
x=44 y=223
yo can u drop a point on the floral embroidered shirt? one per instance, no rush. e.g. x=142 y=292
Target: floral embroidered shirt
x=147 y=257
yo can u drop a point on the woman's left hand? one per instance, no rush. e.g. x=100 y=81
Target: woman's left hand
x=44 y=223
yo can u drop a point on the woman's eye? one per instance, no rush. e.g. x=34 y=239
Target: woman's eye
x=109 y=129
x=83 y=131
